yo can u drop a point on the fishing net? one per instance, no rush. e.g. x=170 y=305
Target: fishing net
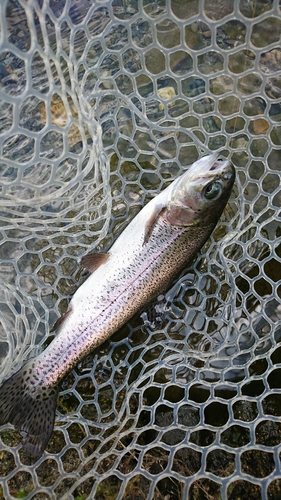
x=102 y=104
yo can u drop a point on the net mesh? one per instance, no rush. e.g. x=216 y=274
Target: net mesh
x=102 y=104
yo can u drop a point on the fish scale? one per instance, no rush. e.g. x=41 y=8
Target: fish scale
x=141 y=264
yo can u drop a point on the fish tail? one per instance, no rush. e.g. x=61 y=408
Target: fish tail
x=30 y=407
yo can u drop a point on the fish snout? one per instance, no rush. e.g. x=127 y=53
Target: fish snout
x=223 y=169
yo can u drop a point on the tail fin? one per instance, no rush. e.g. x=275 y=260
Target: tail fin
x=30 y=408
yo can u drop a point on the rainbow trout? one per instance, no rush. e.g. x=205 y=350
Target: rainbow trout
x=141 y=264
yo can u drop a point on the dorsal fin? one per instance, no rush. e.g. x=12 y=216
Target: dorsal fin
x=92 y=261
x=60 y=320
x=149 y=226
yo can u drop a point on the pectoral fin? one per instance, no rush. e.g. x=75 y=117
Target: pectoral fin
x=152 y=221
x=92 y=261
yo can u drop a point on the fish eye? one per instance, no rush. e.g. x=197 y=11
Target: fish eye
x=212 y=190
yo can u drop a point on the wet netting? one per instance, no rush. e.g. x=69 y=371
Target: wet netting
x=102 y=104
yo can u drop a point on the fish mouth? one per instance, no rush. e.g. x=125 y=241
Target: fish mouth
x=216 y=166
x=217 y=160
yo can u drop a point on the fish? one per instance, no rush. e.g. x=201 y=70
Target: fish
x=142 y=263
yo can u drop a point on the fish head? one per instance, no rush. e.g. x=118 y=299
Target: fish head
x=199 y=196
